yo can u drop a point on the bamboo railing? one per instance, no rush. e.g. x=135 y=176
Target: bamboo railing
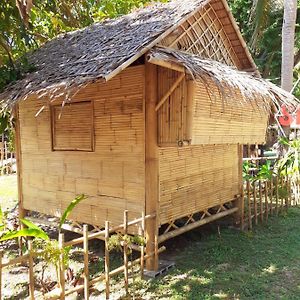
x=263 y=198
x=7 y=158
x=61 y=292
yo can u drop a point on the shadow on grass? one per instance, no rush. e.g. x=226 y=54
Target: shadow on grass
x=263 y=264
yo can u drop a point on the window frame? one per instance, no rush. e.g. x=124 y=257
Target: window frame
x=53 y=131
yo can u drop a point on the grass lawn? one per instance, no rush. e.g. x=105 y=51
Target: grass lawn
x=264 y=264
x=8 y=191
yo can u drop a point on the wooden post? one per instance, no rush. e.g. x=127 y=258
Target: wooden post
x=1 y=257
x=31 y=274
x=151 y=160
x=266 y=201
x=125 y=249
x=249 y=206
x=143 y=247
x=282 y=188
x=86 y=261
x=276 y=194
x=255 y=203
x=22 y=211
x=61 y=272
x=261 y=211
x=271 y=196
x=240 y=201
x=106 y=260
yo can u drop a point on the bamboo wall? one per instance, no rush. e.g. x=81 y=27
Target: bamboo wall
x=195 y=178
x=227 y=119
x=112 y=176
x=199 y=113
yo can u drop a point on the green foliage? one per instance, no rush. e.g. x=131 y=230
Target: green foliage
x=262 y=31
x=265 y=171
x=50 y=252
x=288 y=165
x=69 y=209
x=32 y=230
x=247 y=165
x=116 y=240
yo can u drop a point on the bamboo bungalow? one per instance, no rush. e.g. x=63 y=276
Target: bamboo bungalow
x=145 y=113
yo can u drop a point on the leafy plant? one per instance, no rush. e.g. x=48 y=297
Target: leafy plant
x=265 y=171
x=69 y=209
x=32 y=230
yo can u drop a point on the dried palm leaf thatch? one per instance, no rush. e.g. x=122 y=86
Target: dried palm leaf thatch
x=264 y=93
x=76 y=58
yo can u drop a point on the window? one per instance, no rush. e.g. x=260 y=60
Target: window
x=73 y=127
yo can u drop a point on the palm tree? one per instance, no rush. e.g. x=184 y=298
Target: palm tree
x=261 y=13
x=288 y=44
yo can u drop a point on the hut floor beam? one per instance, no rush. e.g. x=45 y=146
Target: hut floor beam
x=205 y=218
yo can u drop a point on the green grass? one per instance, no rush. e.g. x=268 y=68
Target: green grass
x=8 y=191
x=264 y=264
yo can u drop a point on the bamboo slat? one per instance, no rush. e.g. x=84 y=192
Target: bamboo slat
x=107 y=261
x=86 y=262
x=31 y=271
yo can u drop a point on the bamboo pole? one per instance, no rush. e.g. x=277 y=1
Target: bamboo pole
x=143 y=246
x=111 y=273
x=162 y=238
x=271 y=196
x=151 y=162
x=249 y=206
x=106 y=261
x=242 y=213
x=1 y=268
x=276 y=195
x=61 y=272
x=282 y=188
x=255 y=203
x=86 y=261
x=261 y=202
x=266 y=201
x=21 y=210
x=31 y=274
x=125 y=249
x=111 y=230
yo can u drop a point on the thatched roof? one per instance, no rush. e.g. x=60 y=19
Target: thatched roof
x=96 y=51
x=227 y=78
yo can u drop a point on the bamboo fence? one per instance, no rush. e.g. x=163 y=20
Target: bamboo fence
x=61 y=291
x=264 y=198
x=7 y=158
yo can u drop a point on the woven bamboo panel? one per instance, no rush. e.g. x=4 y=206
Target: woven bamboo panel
x=227 y=118
x=172 y=115
x=112 y=175
x=195 y=178
x=206 y=34
x=72 y=127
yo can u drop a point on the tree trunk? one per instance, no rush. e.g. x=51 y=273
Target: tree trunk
x=288 y=43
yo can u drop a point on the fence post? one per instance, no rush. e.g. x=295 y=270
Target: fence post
x=266 y=201
x=271 y=195
x=249 y=205
x=276 y=194
x=282 y=199
x=261 y=211
x=1 y=257
x=86 y=261
x=125 y=249
x=143 y=246
x=106 y=260
x=255 y=203
x=61 y=266
x=31 y=274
